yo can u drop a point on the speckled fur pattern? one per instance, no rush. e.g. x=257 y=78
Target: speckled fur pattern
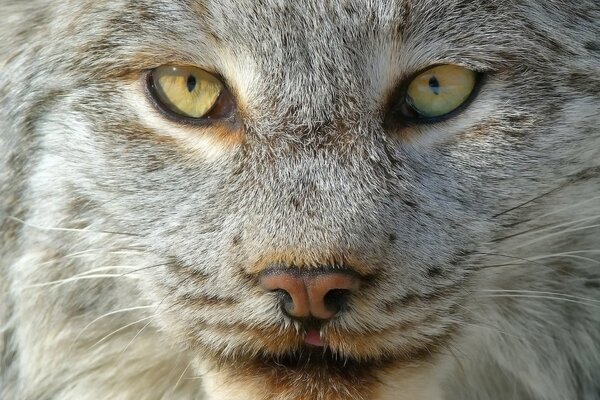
x=130 y=243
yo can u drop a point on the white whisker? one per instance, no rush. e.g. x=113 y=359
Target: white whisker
x=569 y=207
x=137 y=334
x=522 y=259
x=581 y=252
x=73 y=255
x=108 y=314
x=181 y=376
x=135 y=270
x=564 y=299
x=541 y=238
x=59 y=229
x=564 y=255
x=107 y=268
x=102 y=251
x=483 y=323
x=74 y=279
x=539 y=292
x=104 y=338
x=535 y=260
x=548 y=227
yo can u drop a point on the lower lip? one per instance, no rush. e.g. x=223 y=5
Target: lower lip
x=313 y=338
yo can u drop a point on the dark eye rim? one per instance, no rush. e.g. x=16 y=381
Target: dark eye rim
x=230 y=116
x=396 y=114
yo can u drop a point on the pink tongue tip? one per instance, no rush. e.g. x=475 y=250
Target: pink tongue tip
x=313 y=337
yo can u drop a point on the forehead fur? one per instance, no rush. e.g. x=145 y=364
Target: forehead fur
x=303 y=58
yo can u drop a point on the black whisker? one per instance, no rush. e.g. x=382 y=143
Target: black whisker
x=528 y=202
x=145 y=268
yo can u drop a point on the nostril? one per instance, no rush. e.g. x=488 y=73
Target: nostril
x=285 y=300
x=289 y=289
x=336 y=299
x=321 y=293
x=328 y=292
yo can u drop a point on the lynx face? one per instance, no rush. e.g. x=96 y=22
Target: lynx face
x=314 y=196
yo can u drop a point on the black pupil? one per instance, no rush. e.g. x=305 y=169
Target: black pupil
x=434 y=84
x=191 y=83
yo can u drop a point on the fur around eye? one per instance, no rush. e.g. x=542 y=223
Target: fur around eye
x=189 y=93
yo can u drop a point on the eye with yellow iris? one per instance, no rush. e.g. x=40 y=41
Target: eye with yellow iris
x=437 y=93
x=190 y=94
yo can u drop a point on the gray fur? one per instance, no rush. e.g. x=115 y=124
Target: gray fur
x=481 y=232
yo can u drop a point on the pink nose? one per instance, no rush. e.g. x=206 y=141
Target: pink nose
x=320 y=293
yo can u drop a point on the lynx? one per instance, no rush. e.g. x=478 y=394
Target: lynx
x=300 y=200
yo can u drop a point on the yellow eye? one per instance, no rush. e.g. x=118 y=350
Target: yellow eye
x=440 y=90
x=190 y=92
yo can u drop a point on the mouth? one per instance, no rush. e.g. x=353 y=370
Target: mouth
x=317 y=368
x=315 y=362
x=312 y=371
x=316 y=353
x=312 y=360
x=313 y=338
x=318 y=349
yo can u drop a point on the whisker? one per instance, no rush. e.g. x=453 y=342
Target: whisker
x=136 y=335
x=568 y=300
x=477 y=267
x=148 y=323
x=459 y=360
x=104 y=338
x=108 y=314
x=544 y=228
x=145 y=268
x=564 y=255
x=482 y=323
x=59 y=229
x=181 y=376
x=91 y=274
x=558 y=211
x=533 y=260
x=526 y=260
x=576 y=178
x=536 y=229
x=583 y=251
x=121 y=250
x=194 y=378
x=570 y=296
x=530 y=201
x=75 y=278
x=107 y=268
x=556 y=234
